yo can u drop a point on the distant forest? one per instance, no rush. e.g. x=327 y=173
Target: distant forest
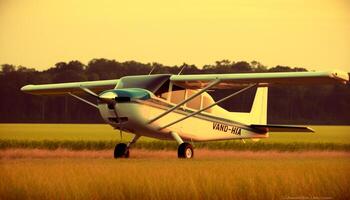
x=322 y=104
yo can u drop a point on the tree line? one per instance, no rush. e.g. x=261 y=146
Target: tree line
x=322 y=104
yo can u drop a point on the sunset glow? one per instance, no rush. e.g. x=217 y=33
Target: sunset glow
x=311 y=34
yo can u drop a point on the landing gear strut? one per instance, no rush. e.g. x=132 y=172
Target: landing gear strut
x=185 y=150
x=121 y=150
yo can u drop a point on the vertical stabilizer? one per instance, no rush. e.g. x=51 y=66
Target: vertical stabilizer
x=258 y=113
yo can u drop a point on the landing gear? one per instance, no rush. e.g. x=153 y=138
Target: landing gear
x=121 y=150
x=185 y=150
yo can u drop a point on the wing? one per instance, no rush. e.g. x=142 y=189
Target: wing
x=277 y=78
x=73 y=87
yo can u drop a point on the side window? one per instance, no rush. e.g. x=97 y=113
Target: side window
x=207 y=101
x=194 y=103
x=177 y=96
x=162 y=92
x=164 y=95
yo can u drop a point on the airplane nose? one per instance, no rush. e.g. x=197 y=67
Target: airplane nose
x=112 y=97
x=108 y=96
x=124 y=95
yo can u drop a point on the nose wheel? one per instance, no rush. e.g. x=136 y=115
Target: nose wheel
x=121 y=150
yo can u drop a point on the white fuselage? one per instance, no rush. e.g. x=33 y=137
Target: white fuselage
x=134 y=117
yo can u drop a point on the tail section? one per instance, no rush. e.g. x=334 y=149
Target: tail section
x=258 y=112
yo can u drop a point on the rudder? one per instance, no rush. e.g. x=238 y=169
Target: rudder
x=258 y=112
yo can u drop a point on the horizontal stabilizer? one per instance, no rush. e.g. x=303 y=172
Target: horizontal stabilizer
x=281 y=128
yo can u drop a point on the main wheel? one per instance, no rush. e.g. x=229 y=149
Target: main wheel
x=185 y=150
x=121 y=150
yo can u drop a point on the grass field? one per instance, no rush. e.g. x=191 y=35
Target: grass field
x=328 y=134
x=100 y=136
x=253 y=177
x=37 y=162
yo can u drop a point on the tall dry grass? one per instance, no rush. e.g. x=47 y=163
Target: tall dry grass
x=172 y=145
x=145 y=154
x=262 y=177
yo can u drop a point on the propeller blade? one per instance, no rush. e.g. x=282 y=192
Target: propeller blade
x=108 y=97
x=88 y=91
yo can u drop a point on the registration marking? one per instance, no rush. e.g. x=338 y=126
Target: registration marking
x=226 y=128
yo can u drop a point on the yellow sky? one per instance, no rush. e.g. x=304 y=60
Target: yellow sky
x=307 y=33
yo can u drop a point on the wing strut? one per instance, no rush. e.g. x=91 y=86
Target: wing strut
x=83 y=100
x=211 y=84
x=203 y=109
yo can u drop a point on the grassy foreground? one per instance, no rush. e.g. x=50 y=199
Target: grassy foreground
x=234 y=178
x=99 y=136
x=33 y=172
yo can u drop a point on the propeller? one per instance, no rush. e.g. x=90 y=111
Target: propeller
x=88 y=91
x=109 y=98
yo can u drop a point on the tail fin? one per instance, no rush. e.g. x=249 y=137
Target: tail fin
x=258 y=112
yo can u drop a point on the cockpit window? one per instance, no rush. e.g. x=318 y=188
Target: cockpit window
x=196 y=102
x=207 y=101
x=163 y=91
x=178 y=95
x=152 y=83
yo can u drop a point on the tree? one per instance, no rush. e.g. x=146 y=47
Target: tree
x=69 y=72
x=7 y=68
x=317 y=104
x=241 y=67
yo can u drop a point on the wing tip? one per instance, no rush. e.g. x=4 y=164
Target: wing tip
x=341 y=76
x=26 y=88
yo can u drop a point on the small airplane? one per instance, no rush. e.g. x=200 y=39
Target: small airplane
x=178 y=107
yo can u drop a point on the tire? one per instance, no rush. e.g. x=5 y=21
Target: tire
x=121 y=150
x=185 y=150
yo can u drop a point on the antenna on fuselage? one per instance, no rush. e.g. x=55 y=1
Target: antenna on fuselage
x=152 y=70
x=183 y=67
